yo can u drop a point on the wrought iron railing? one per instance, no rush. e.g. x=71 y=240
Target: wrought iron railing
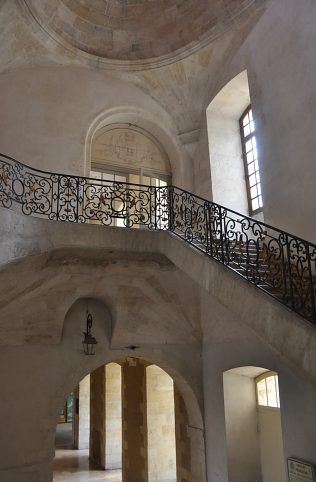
x=282 y=265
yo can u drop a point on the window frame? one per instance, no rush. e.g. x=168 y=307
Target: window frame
x=127 y=171
x=264 y=376
x=244 y=139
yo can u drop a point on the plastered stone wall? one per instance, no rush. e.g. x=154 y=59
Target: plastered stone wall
x=273 y=463
x=161 y=426
x=134 y=421
x=189 y=444
x=97 y=417
x=45 y=374
x=280 y=58
x=113 y=419
x=240 y=326
x=251 y=330
x=241 y=421
x=61 y=109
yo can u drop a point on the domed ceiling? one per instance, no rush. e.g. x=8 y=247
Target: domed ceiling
x=135 y=29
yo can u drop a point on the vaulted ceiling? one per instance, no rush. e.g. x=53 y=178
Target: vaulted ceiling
x=135 y=29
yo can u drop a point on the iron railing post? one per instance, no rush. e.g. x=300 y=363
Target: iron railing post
x=289 y=268
x=207 y=227
x=171 y=208
x=221 y=234
x=155 y=206
x=58 y=192
x=311 y=281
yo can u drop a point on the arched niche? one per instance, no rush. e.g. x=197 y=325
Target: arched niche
x=75 y=324
x=226 y=162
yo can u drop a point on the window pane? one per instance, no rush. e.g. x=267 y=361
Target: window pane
x=277 y=390
x=106 y=176
x=120 y=222
x=251 y=168
x=95 y=174
x=253 y=192
x=249 y=145
x=250 y=115
x=245 y=120
x=252 y=126
x=247 y=130
x=271 y=392
x=262 y=393
x=120 y=178
x=260 y=202
x=252 y=180
x=255 y=204
x=250 y=157
x=133 y=179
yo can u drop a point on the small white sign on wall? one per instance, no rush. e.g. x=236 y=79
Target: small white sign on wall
x=300 y=471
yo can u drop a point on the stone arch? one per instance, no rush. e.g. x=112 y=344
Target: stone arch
x=193 y=406
x=77 y=365
x=162 y=131
x=189 y=431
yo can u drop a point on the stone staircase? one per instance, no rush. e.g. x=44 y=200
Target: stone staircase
x=278 y=263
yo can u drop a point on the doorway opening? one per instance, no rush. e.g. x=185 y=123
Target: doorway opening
x=123 y=426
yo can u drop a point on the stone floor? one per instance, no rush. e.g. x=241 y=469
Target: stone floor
x=74 y=466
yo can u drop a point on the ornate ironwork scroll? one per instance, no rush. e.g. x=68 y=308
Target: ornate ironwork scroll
x=77 y=199
x=282 y=265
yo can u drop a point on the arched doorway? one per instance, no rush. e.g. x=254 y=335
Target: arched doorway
x=124 y=426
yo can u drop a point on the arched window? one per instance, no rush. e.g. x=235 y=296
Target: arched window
x=250 y=155
x=268 y=390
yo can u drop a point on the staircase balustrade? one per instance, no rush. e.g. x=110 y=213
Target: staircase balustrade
x=279 y=263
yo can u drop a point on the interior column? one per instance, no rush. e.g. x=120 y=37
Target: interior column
x=134 y=418
x=97 y=417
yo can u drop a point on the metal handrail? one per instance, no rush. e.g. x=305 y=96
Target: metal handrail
x=277 y=262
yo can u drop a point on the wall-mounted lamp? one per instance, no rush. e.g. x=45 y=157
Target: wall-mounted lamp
x=88 y=340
